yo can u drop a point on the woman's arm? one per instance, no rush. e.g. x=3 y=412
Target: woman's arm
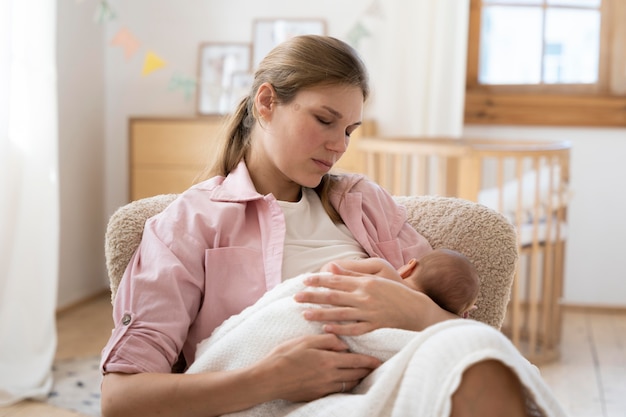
x=147 y=394
x=363 y=303
x=301 y=369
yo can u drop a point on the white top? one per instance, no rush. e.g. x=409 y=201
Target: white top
x=312 y=239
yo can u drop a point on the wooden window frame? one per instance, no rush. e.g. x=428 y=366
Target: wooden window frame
x=601 y=104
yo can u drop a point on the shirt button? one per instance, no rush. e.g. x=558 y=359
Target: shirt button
x=126 y=319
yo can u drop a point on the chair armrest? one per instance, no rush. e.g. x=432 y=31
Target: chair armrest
x=480 y=233
x=485 y=236
x=124 y=231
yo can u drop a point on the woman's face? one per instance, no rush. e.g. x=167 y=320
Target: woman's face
x=295 y=144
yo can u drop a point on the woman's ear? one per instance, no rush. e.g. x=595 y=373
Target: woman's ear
x=264 y=100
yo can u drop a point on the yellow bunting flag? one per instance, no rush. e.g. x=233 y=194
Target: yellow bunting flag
x=127 y=41
x=152 y=63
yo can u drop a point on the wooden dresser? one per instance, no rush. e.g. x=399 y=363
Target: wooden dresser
x=168 y=154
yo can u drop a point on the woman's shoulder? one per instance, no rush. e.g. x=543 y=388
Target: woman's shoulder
x=350 y=182
x=198 y=201
x=359 y=183
x=374 y=200
x=209 y=184
x=235 y=187
x=199 y=193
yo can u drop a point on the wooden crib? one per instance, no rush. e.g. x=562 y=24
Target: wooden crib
x=525 y=181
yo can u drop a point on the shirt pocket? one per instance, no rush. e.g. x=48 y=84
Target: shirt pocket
x=234 y=280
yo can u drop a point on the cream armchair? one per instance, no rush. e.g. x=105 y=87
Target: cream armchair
x=480 y=233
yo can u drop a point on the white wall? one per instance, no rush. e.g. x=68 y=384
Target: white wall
x=80 y=60
x=174 y=31
x=100 y=90
x=596 y=229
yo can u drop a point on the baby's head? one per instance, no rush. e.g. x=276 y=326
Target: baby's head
x=449 y=278
x=446 y=276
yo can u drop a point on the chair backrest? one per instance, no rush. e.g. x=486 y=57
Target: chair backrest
x=480 y=233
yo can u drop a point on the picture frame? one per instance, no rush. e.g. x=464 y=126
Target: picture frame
x=219 y=66
x=241 y=83
x=267 y=33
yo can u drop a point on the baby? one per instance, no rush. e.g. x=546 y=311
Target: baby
x=446 y=276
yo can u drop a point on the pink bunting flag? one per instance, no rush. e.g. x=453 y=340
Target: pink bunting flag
x=127 y=41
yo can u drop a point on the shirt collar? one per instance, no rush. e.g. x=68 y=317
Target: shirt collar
x=237 y=186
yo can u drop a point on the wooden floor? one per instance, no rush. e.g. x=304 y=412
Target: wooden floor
x=589 y=379
x=82 y=331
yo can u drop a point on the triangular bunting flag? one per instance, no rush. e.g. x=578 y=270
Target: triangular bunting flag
x=356 y=34
x=375 y=10
x=152 y=63
x=186 y=84
x=125 y=39
x=104 y=12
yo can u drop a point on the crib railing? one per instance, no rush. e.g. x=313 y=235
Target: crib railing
x=526 y=181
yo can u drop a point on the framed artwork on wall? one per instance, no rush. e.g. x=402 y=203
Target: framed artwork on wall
x=268 y=33
x=223 y=71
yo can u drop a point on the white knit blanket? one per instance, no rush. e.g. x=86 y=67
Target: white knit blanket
x=421 y=370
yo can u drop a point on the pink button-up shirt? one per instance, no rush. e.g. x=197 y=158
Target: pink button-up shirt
x=216 y=250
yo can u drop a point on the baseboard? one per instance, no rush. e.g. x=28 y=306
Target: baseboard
x=594 y=308
x=85 y=300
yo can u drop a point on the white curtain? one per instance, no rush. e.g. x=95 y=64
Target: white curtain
x=29 y=198
x=416 y=52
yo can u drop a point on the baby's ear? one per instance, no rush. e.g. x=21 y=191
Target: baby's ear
x=467 y=313
x=405 y=271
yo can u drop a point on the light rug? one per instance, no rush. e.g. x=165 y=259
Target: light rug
x=77 y=385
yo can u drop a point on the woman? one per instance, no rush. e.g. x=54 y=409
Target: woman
x=272 y=209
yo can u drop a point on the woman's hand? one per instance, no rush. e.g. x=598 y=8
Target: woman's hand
x=310 y=367
x=361 y=303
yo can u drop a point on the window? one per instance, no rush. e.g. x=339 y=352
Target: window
x=547 y=62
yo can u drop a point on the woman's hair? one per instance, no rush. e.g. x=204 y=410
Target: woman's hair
x=300 y=62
